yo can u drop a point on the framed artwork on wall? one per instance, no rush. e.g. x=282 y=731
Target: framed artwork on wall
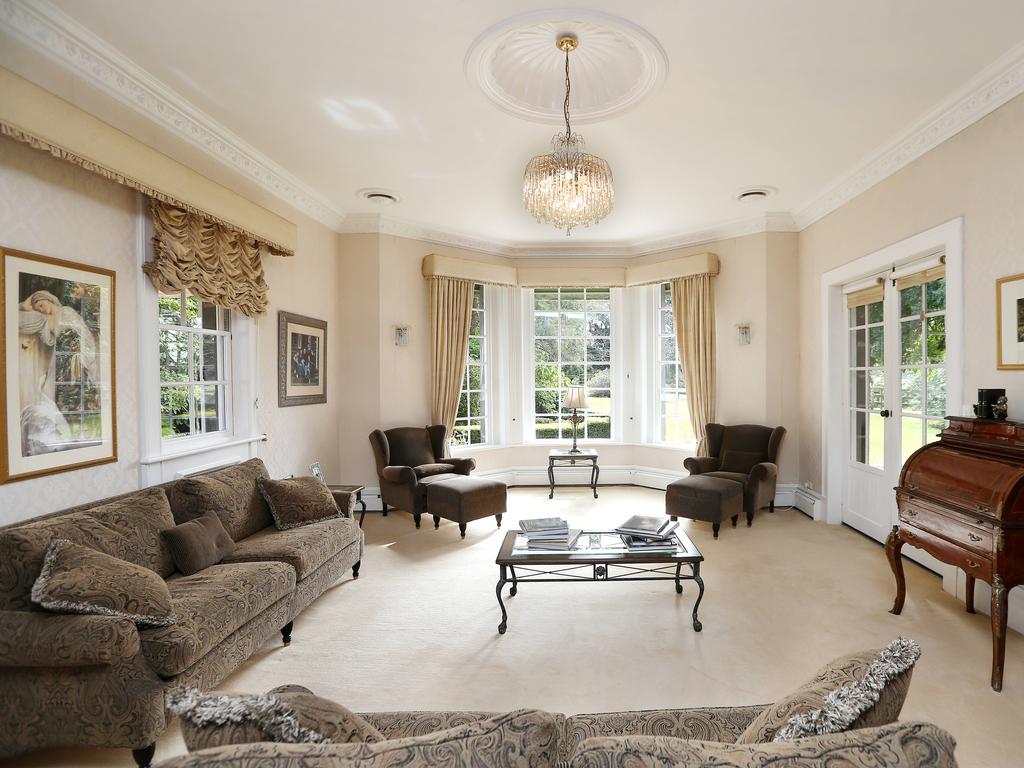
x=301 y=360
x=57 y=366
x=1010 y=322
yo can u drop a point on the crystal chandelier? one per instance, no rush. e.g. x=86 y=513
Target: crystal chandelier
x=568 y=187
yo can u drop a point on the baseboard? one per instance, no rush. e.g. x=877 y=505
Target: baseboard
x=786 y=495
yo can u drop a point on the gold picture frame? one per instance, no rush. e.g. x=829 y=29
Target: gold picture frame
x=1010 y=323
x=58 y=391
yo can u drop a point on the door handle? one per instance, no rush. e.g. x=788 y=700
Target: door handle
x=885 y=414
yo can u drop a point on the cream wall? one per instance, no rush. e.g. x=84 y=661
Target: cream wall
x=979 y=175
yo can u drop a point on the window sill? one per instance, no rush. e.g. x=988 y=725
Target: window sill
x=193 y=450
x=689 y=449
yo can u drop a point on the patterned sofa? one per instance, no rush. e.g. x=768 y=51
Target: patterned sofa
x=91 y=680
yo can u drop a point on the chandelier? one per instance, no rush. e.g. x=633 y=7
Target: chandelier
x=568 y=187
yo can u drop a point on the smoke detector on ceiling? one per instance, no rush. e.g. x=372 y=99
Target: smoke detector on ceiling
x=379 y=196
x=755 y=194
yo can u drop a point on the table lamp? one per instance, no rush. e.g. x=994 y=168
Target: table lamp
x=576 y=399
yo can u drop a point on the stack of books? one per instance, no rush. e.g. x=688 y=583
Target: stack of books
x=646 y=533
x=551 y=533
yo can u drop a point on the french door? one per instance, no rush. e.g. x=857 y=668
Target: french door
x=896 y=394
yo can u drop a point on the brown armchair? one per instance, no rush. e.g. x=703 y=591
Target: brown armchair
x=746 y=453
x=408 y=460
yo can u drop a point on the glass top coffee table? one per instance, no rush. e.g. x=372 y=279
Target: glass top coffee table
x=597 y=556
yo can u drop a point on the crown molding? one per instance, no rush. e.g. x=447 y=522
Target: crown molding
x=56 y=35
x=987 y=91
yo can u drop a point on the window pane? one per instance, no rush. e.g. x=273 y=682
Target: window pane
x=859 y=389
x=875 y=312
x=668 y=375
x=545 y=350
x=211 y=357
x=478 y=296
x=572 y=350
x=463 y=413
x=68 y=397
x=460 y=433
x=476 y=350
x=476 y=404
x=174 y=402
x=936 y=391
x=599 y=376
x=572 y=374
x=546 y=376
x=546 y=428
x=876 y=443
x=860 y=357
x=174 y=354
x=599 y=350
x=910 y=301
x=876 y=390
x=860 y=435
x=191 y=310
x=599 y=324
x=477 y=433
x=858 y=314
x=876 y=346
x=572 y=299
x=668 y=326
x=169 y=306
x=935 y=293
x=599 y=401
x=912 y=386
x=546 y=401
x=476 y=376
x=545 y=324
x=934 y=428
x=910 y=334
x=599 y=427
x=91 y=397
x=665 y=295
x=476 y=323
x=545 y=298
x=936 y=339
x=911 y=437
x=208 y=316
x=208 y=407
x=572 y=324
x=599 y=299
x=668 y=349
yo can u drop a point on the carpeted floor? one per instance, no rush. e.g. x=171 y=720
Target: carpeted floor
x=417 y=630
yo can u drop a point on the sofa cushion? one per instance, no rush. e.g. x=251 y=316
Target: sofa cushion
x=289 y=714
x=231 y=492
x=426 y=470
x=740 y=462
x=210 y=606
x=813 y=695
x=198 y=544
x=514 y=740
x=736 y=477
x=128 y=529
x=305 y=549
x=298 y=501
x=77 y=579
x=906 y=745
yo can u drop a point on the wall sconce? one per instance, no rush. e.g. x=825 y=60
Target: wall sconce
x=401 y=335
x=743 y=334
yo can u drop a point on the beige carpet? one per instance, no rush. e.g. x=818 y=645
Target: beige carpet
x=417 y=630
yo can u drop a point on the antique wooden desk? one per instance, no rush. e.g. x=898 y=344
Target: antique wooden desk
x=962 y=501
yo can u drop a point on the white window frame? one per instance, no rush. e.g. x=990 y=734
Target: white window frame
x=654 y=363
x=164 y=460
x=529 y=374
x=485 y=373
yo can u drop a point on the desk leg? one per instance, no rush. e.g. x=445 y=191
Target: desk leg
x=697 y=626
x=893 y=545
x=593 y=478
x=969 y=598
x=551 y=480
x=502 y=580
x=999 y=617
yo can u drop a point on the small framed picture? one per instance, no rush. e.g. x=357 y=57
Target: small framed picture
x=318 y=473
x=301 y=360
x=57 y=380
x=1010 y=322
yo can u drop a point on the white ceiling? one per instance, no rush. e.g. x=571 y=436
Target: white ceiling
x=346 y=95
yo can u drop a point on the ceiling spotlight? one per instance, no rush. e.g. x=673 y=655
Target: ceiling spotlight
x=379 y=196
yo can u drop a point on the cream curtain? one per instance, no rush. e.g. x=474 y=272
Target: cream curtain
x=451 y=309
x=214 y=262
x=693 y=307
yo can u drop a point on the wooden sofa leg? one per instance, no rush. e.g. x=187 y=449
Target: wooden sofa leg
x=355 y=569
x=750 y=519
x=437 y=522
x=771 y=505
x=416 y=519
x=498 y=519
x=714 y=528
x=144 y=757
x=734 y=519
x=286 y=634
x=385 y=510
x=462 y=530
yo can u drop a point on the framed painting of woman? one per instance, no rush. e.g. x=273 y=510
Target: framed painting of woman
x=56 y=366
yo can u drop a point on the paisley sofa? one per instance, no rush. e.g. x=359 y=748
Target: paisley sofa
x=91 y=680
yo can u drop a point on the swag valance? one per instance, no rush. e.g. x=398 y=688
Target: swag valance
x=216 y=263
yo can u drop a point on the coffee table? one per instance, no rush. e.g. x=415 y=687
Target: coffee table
x=596 y=557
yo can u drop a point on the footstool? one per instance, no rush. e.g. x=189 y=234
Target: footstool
x=463 y=499
x=711 y=499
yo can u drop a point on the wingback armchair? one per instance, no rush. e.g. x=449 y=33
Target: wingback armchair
x=408 y=460
x=746 y=453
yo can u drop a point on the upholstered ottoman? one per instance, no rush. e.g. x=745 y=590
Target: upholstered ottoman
x=463 y=499
x=711 y=499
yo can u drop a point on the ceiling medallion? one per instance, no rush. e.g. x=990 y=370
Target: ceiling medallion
x=568 y=187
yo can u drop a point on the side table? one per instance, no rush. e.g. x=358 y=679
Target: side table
x=358 y=491
x=561 y=457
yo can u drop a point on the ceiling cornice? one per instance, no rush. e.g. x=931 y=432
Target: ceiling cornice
x=58 y=36
x=987 y=91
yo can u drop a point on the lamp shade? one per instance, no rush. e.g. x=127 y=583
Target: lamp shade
x=576 y=397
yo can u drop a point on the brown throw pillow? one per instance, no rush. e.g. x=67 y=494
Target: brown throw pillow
x=298 y=501
x=739 y=461
x=198 y=544
x=289 y=713
x=77 y=579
